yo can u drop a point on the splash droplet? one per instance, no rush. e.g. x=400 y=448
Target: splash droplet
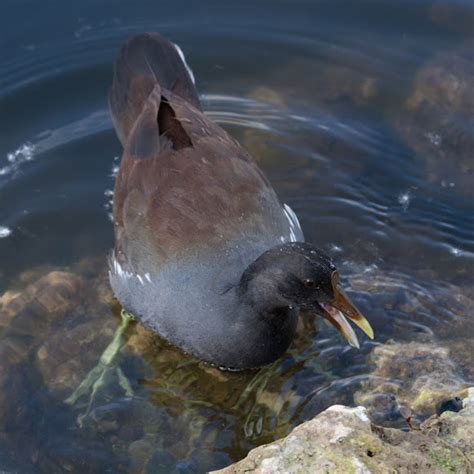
x=4 y=232
x=405 y=199
x=23 y=153
x=455 y=251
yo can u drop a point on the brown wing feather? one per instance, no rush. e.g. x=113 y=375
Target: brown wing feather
x=205 y=193
x=144 y=61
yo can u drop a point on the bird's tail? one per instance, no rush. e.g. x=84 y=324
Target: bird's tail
x=145 y=60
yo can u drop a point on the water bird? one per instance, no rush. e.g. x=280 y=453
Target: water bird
x=205 y=253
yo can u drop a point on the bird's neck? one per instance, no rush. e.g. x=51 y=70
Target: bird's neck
x=256 y=293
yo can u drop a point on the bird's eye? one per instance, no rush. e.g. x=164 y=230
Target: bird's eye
x=308 y=283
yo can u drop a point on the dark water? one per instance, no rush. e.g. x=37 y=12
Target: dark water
x=326 y=96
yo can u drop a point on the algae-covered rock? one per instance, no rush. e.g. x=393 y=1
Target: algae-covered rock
x=75 y=344
x=66 y=318
x=343 y=439
x=6 y=307
x=35 y=308
x=26 y=316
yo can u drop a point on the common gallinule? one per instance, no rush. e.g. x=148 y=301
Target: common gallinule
x=205 y=254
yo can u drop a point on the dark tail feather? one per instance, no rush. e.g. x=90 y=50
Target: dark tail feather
x=144 y=61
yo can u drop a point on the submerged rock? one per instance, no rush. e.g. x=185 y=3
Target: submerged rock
x=41 y=303
x=419 y=376
x=342 y=439
x=66 y=356
x=437 y=118
x=63 y=316
x=325 y=83
x=26 y=317
x=6 y=308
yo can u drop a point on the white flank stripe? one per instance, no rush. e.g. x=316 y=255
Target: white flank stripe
x=290 y=214
x=181 y=55
x=293 y=220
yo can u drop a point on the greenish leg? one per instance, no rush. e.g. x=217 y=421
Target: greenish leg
x=96 y=378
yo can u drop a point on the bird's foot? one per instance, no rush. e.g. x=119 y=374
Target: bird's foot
x=249 y=400
x=98 y=376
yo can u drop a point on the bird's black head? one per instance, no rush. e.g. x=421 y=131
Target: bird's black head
x=299 y=275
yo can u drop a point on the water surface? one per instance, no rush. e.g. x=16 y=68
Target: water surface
x=321 y=93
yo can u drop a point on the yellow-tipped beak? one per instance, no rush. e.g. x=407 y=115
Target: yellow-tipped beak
x=342 y=308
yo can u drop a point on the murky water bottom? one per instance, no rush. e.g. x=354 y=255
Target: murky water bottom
x=366 y=134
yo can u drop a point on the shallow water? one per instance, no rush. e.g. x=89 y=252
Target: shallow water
x=318 y=94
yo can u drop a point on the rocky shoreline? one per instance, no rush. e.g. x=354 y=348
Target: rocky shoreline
x=343 y=439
